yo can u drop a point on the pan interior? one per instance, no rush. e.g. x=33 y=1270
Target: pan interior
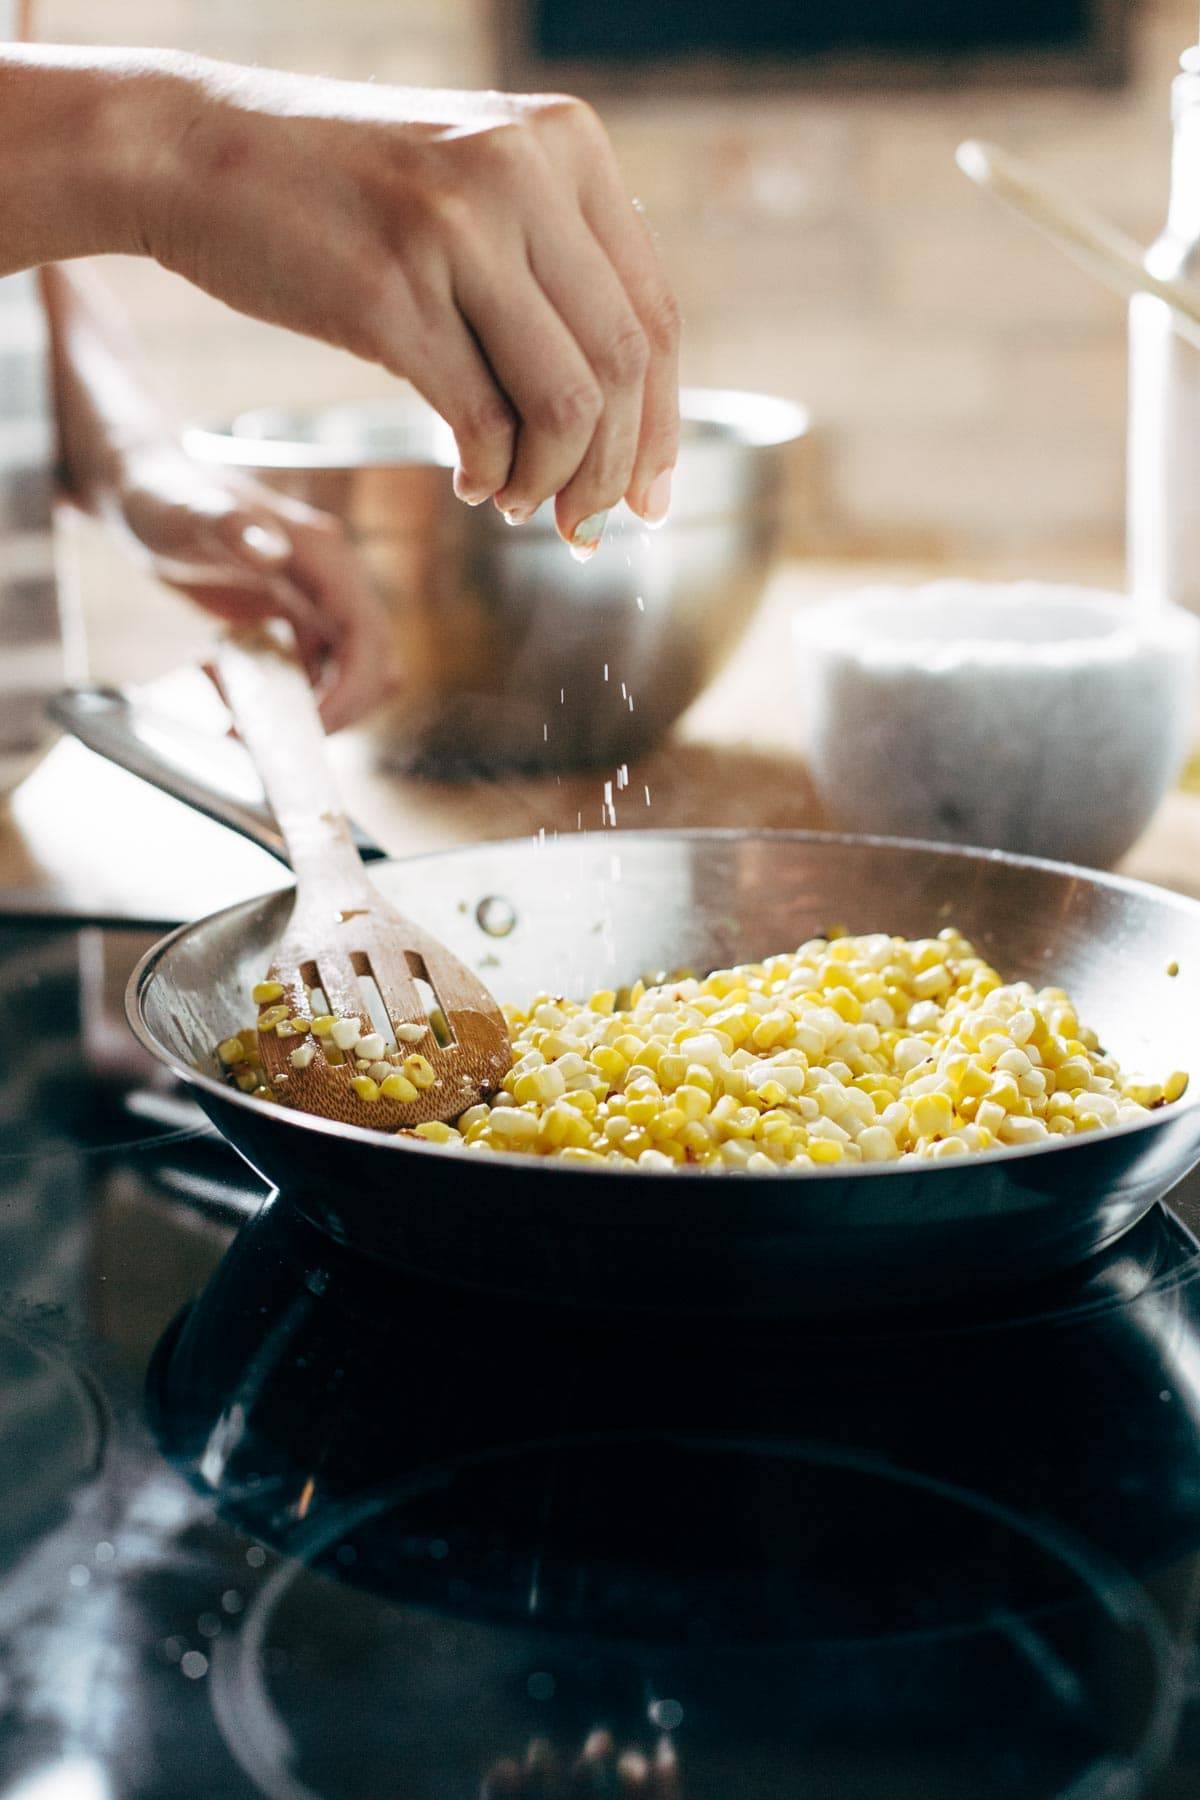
x=600 y=910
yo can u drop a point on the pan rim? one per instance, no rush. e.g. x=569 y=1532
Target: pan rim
x=146 y=967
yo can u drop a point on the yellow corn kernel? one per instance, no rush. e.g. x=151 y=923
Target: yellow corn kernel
x=247 y=1079
x=1145 y=1093
x=932 y=982
x=603 y=1000
x=263 y=992
x=932 y=1115
x=435 y=1132
x=974 y=1081
x=394 y=1087
x=365 y=1088
x=323 y=1024
x=231 y=1051
x=671 y=1070
x=693 y=1100
x=1072 y=1074
x=825 y=1150
x=611 y=1064
x=669 y=1123
x=1175 y=1086
x=333 y=1056
x=844 y=1002
x=642 y=1108
x=576 y=1153
x=273 y=1016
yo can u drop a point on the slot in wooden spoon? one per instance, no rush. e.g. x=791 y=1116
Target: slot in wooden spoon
x=342 y=928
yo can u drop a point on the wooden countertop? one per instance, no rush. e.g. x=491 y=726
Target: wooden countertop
x=82 y=838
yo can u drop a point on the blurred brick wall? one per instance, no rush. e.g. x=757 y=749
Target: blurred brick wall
x=969 y=382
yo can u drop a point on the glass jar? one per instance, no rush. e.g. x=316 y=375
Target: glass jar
x=1163 y=513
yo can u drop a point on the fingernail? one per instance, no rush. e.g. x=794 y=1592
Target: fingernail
x=658 y=500
x=516 y=515
x=264 y=544
x=470 y=495
x=585 y=539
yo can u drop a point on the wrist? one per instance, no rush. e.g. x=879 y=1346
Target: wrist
x=89 y=142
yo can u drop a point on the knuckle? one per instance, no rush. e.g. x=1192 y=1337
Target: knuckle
x=626 y=358
x=485 y=424
x=565 y=410
x=509 y=146
x=570 y=112
x=664 y=323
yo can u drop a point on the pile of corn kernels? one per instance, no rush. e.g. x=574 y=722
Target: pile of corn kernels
x=849 y=1050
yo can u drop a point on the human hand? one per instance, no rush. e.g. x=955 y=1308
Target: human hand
x=598 y=1770
x=246 y=554
x=480 y=245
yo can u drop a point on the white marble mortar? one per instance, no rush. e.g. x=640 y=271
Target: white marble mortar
x=1023 y=716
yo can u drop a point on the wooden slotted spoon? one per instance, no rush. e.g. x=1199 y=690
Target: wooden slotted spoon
x=342 y=927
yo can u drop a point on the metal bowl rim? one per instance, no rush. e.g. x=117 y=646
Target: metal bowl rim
x=537 y=1166
x=731 y=409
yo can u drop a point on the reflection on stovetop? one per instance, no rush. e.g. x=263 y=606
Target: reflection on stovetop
x=275 y=1519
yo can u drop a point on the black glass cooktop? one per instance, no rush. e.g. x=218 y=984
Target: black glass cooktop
x=277 y=1520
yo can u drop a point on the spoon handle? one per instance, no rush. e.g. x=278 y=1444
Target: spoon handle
x=277 y=719
x=1105 y=252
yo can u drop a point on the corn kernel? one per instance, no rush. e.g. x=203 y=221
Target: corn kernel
x=435 y=1132
x=823 y=1150
x=932 y=1114
x=365 y=1088
x=263 y=992
x=849 y=1050
x=397 y=1087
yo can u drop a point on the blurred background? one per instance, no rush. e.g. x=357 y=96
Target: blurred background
x=968 y=383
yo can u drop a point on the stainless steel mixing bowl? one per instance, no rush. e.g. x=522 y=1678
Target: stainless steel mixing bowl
x=516 y=654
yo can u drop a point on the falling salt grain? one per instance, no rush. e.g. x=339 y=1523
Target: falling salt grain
x=606 y=671
x=641 y=604
x=647 y=792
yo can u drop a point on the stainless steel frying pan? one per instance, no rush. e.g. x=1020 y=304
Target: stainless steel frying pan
x=602 y=908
